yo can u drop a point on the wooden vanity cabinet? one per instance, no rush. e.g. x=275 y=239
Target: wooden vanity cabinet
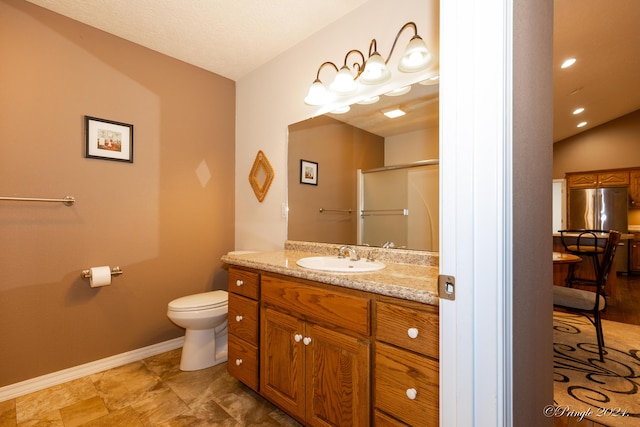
x=243 y=321
x=332 y=356
x=406 y=363
x=315 y=352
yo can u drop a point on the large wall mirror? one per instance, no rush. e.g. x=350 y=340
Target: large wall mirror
x=362 y=178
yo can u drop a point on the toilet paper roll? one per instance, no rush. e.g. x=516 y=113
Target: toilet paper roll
x=100 y=276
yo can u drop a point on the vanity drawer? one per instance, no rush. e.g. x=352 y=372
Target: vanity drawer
x=411 y=328
x=243 y=362
x=245 y=283
x=340 y=309
x=380 y=419
x=243 y=318
x=398 y=372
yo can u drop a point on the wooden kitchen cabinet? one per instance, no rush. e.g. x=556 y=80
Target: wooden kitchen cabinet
x=634 y=255
x=315 y=353
x=598 y=179
x=634 y=189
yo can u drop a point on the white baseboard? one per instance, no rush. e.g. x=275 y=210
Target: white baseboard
x=45 y=381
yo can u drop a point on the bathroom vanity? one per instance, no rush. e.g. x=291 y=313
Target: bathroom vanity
x=336 y=349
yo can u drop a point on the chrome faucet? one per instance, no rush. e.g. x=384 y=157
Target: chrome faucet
x=388 y=245
x=348 y=250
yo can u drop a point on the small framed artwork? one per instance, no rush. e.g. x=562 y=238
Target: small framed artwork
x=308 y=172
x=108 y=140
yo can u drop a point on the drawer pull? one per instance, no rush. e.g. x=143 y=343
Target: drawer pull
x=306 y=340
x=412 y=393
x=412 y=332
x=238 y=362
x=297 y=337
x=238 y=318
x=239 y=282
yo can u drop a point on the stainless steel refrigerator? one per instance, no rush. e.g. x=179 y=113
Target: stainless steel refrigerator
x=602 y=209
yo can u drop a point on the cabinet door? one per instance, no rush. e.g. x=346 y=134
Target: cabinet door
x=635 y=253
x=613 y=179
x=582 y=180
x=337 y=377
x=634 y=189
x=282 y=361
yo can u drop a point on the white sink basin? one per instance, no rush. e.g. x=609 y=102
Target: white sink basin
x=339 y=265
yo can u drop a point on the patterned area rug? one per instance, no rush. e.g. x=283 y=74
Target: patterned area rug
x=584 y=387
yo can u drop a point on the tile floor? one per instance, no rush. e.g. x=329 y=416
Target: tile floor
x=151 y=392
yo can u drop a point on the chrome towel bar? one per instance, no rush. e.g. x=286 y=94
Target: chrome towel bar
x=67 y=200
x=403 y=212
x=322 y=210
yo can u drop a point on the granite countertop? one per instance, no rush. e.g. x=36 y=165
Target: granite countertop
x=410 y=275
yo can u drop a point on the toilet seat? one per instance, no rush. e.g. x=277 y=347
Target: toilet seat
x=202 y=301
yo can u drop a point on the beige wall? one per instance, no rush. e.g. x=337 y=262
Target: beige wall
x=615 y=144
x=339 y=149
x=154 y=218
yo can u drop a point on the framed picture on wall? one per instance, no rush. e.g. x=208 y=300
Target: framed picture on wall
x=108 y=140
x=308 y=172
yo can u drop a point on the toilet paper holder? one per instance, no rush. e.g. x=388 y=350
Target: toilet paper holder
x=115 y=271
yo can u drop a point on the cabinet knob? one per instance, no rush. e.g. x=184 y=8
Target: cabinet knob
x=412 y=393
x=412 y=332
x=297 y=337
x=238 y=362
x=306 y=340
x=238 y=318
x=239 y=282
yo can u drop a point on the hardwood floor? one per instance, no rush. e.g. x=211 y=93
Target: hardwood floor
x=627 y=308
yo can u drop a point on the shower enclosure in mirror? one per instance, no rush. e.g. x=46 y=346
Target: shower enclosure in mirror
x=367 y=163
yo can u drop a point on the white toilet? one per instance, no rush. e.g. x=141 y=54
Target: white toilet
x=204 y=316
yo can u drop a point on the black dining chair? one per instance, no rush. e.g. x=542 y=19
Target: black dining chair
x=584 y=243
x=589 y=303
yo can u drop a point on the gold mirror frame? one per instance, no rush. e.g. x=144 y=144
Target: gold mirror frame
x=261 y=176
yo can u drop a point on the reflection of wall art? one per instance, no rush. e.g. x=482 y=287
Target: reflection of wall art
x=108 y=140
x=308 y=172
x=261 y=176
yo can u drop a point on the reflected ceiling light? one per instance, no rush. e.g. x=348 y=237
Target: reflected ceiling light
x=342 y=110
x=399 y=91
x=433 y=80
x=369 y=100
x=372 y=70
x=581 y=124
x=568 y=63
x=394 y=112
x=578 y=110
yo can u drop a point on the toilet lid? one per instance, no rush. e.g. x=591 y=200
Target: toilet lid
x=199 y=301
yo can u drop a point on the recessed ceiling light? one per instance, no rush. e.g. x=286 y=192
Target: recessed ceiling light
x=582 y=124
x=578 y=110
x=568 y=63
x=393 y=112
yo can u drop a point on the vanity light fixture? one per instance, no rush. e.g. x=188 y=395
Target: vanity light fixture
x=581 y=124
x=578 y=110
x=568 y=63
x=372 y=70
